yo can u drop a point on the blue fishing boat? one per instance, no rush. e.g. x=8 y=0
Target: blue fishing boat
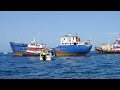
x=72 y=46
x=18 y=48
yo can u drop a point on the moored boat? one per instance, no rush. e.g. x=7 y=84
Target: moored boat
x=18 y=48
x=34 y=49
x=72 y=46
x=109 y=48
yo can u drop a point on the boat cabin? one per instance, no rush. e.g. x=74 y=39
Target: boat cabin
x=69 y=40
x=73 y=40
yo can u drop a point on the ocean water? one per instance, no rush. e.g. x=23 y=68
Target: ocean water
x=92 y=66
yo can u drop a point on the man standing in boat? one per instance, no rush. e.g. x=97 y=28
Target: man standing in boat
x=43 y=54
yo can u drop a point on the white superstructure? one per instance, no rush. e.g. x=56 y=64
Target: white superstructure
x=73 y=40
x=34 y=47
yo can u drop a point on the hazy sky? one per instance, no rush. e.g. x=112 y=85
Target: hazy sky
x=49 y=26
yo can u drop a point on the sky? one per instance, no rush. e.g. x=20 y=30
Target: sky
x=49 y=26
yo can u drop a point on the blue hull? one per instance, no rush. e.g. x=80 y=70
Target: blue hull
x=72 y=50
x=18 y=48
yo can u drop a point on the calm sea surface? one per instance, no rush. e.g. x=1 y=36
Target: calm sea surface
x=92 y=66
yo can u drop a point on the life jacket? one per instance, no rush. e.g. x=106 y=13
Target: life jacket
x=43 y=53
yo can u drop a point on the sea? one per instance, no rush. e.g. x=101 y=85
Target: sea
x=91 y=66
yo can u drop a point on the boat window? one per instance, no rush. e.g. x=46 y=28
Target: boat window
x=74 y=43
x=86 y=43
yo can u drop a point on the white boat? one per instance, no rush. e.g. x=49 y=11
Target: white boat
x=5 y=52
x=47 y=56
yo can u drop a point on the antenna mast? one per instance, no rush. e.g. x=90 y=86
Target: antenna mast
x=34 y=39
x=77 y=34
x=45 y=44
x=18 y=40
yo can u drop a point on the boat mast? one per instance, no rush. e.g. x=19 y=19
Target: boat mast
x=90 y=37
x=34 y=40
x=18 y=39
x=76 y=34
x=45 y=44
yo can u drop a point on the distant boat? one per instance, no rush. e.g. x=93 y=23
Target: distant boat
x=5 y=52
x=72 y=46
x=109 y=48
x=18 y=48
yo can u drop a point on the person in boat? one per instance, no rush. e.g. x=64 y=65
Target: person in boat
x=43 y=54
